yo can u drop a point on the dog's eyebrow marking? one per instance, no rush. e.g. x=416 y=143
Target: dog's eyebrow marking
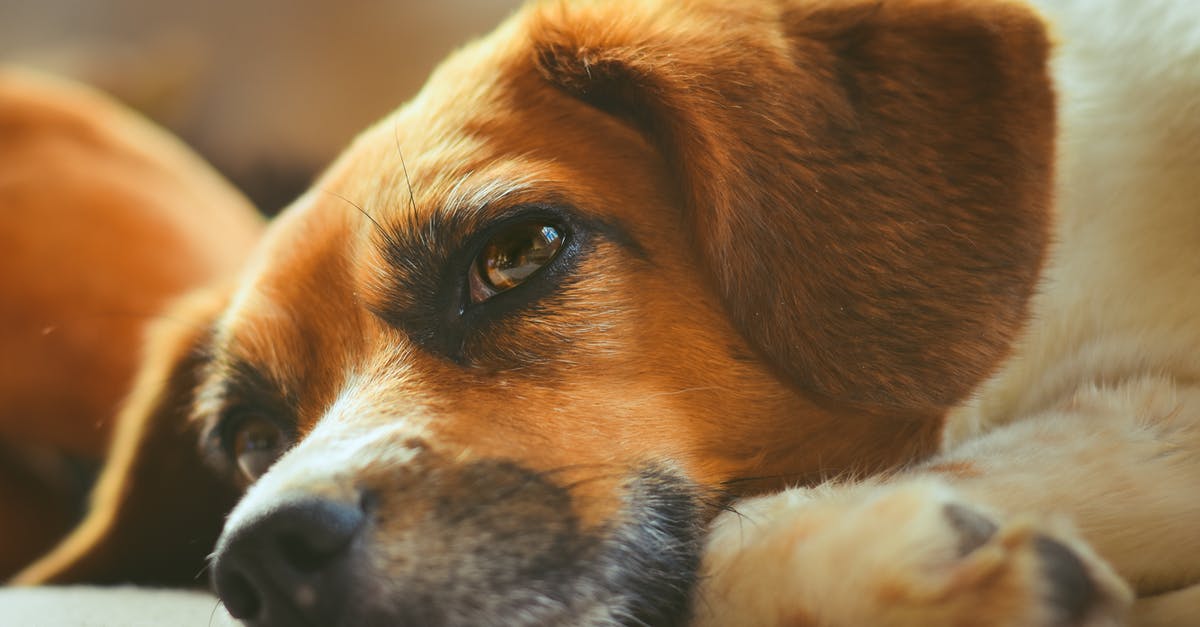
x=489 y=194
x=251 y=380
x=233 y=382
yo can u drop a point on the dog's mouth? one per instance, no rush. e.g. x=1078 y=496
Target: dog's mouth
x=488 y=543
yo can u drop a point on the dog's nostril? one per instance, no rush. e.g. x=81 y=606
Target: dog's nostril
x=239 y=597
x=289 y=562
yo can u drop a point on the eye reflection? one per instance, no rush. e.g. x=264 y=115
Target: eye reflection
x=513 y=256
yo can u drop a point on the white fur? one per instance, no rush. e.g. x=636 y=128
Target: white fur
x=1089 y=433
x=359 y=431
x=1122 y=292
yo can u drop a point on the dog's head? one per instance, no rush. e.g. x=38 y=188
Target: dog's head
x=615 y=265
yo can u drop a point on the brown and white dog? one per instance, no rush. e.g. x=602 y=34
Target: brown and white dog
x=546 y=346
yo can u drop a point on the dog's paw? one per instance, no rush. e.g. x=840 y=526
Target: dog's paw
x=910 y=554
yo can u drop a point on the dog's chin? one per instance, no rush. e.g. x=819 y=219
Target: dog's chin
x=517 y=557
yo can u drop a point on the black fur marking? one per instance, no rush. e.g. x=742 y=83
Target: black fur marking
x=496 y=544
x=425 y=292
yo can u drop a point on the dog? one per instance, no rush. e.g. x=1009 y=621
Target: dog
x=800 y=312
x=105 y=219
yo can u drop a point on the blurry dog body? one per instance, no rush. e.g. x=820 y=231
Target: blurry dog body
x=620 y=264
x=104 y=219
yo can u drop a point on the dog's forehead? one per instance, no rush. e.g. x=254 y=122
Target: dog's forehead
x=466 y=145
x=470 y=148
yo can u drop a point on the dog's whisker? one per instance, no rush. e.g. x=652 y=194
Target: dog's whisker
x=805 y=478
x=504 y=495
x=725 y=505
x=719 y=499
x=500 y=497
x=702 y=388
x=592 y=479
x=384 y=233
x=412 y=199
x=212 y=616
x=569 y=467
x=497 y=498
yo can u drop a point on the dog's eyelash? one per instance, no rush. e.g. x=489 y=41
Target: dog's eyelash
x=428 y=287
x=424 y=286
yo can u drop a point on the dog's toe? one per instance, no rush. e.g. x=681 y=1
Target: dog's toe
x=1069 y=588
x=909 y=554
x=974 y=529
x=1026 y=573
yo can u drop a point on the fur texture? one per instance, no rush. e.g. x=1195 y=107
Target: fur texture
x=798 y=243
x=104 y=219
x=1091 y=427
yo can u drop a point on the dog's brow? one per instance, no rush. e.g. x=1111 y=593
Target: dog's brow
x=233 y=381
x=491 y=193
x=416 y=246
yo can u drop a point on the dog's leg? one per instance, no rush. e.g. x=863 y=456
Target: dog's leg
x=1030 y=525
x=905 y=554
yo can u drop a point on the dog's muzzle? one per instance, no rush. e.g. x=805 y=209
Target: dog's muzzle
x=486 y=543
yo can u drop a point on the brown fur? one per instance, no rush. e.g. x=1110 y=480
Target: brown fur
x=803 y=231
x=105 y=219
x=872 y=212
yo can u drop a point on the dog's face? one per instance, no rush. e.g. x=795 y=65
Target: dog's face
x=514 y=358
x=613 y=267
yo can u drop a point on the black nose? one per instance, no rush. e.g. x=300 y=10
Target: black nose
x=289 y=565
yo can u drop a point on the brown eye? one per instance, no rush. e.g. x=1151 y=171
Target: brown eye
x=511 y=257
x=256 y=445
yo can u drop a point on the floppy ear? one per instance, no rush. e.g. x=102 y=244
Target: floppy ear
x=868 y=183
x=156 y=511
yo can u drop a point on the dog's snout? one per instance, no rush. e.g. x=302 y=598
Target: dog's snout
x=289 y=565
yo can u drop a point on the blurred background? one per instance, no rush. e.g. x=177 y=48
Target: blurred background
x=268 y=90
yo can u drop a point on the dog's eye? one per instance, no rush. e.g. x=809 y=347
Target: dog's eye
x=511 y=257
x=257 y=443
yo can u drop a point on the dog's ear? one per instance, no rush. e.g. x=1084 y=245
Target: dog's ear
x=868 y=183
x=156 y=511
